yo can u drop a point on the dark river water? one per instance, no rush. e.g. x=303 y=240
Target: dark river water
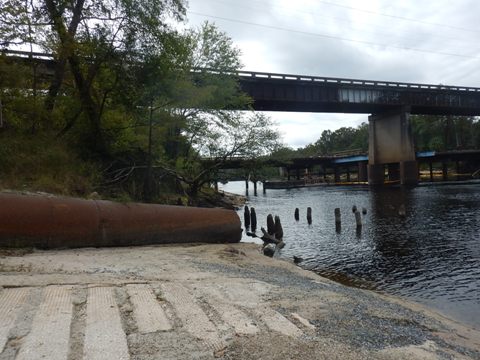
x=431 y=256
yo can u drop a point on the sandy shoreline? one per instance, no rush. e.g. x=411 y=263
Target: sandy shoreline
x=224 y=301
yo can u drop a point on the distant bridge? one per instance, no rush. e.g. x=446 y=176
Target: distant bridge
x=352 y=168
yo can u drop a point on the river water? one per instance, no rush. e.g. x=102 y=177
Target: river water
x=431 y=256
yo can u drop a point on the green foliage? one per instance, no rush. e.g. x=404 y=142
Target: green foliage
x=442 y=133
x=36 y=163
x=123 y=96
x=345 y=138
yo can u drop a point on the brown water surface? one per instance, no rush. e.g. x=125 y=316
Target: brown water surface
x=432 y=255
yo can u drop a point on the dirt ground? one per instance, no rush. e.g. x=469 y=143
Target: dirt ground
x=205 y=302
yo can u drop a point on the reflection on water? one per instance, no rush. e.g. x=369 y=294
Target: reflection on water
x=432 y=255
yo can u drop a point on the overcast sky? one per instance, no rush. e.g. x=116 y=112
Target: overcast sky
x=428 y=41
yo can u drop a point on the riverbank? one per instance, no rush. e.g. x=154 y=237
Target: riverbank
x=207 y=301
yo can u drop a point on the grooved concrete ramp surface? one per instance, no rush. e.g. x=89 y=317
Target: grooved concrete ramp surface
x=11 y=301
x=49 y=335
x=194 y=319
x=204 y=302
x=149 y=315
x=104 y=336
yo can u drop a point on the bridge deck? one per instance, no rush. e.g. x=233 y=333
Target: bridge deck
x=279 y=92
x=300 y=93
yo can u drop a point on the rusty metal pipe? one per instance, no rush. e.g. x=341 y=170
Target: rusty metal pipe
x=58 y=222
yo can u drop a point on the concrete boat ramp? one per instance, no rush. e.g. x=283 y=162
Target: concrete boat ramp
x=204 y=302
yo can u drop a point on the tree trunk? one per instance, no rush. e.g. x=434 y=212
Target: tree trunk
x=61 y=63
x=68 y=46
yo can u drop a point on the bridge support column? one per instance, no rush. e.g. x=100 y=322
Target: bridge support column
x=393 y=172
x=444 y=171
x=336 y=172
x=409 y=172
x=362 y=171
x=391 y=142
x=376 y=174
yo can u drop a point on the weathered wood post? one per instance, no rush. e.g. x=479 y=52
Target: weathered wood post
x=354 y=208
x=278 y=228
x=445 y=171
x=364 y=211
x=297 y=214
x=255 y=187
x=253 y=219
x=309 y=215
x=270 y=225
x=338 y=220
x=358 y=219
x=246 y=216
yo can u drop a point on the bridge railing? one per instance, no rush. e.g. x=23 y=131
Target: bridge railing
x=390 y=84
x=303 y=78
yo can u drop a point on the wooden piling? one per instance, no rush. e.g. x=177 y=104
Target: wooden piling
x=297 y=214
x=358 y=219
x=246 y=217
x=338 y=220
x=338 y=216
x=354 y=208
x=253 y=219
x=270 y=225
x=278 y=228
x=309 y=215
x=364 y=211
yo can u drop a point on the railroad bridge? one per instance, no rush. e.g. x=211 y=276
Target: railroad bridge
x=389 y=105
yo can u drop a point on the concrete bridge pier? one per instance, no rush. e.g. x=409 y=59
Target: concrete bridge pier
x=391 y=142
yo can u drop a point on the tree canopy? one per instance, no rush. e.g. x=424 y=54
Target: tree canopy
x=130 y=91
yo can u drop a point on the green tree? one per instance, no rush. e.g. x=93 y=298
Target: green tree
x=97 y=39
x=442 y=133
x=202 y=122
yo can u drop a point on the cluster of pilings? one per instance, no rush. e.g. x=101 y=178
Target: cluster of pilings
x=338 y=217
x=272 y=237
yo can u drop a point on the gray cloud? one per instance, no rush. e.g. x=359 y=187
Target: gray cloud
x=379 y=48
